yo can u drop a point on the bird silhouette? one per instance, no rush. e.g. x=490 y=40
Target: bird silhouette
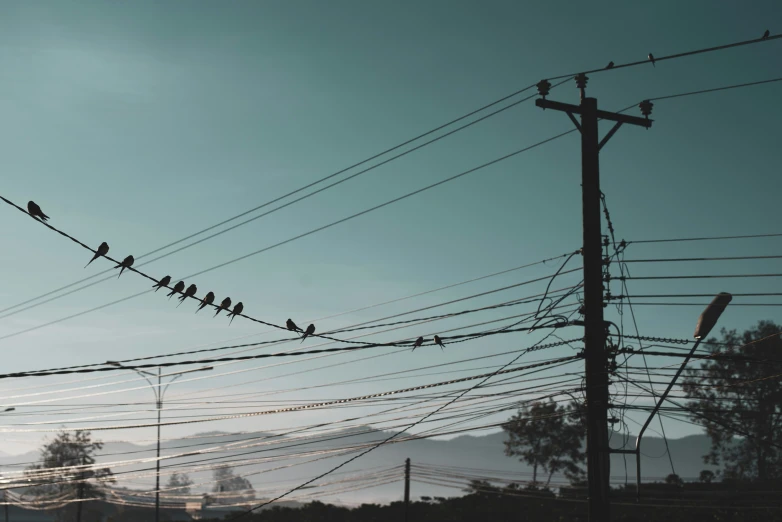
x=439 y=342
x=310 y=331
x=418 y=342
x=292 y=326
x=162 y=283
x=177 y=289
x=223 y=306
x=126 y=263
x=190 y=292
x=237 y=310
x=209 y=299
x=651 y=59
x=103 y=249
x=610 y=65
x=766 y=34
x=34 y=210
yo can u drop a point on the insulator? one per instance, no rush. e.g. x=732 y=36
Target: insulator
x=544 y=86
x=581 y=81
x=646 y=108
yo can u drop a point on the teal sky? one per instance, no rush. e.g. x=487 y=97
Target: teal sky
x=138 y=123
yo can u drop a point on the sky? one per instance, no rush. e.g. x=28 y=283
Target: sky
x=139 y=123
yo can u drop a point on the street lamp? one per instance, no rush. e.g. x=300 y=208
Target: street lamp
x=706 y=322
x=159 y=393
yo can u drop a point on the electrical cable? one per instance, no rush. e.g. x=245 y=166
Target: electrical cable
x=305 y=234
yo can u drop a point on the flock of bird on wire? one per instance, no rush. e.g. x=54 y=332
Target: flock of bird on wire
x=651 y=58
x=35 y=211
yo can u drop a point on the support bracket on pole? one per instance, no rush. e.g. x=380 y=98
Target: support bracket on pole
x=608 y=136
x=574 y=120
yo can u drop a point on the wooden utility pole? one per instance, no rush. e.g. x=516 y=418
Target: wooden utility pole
x=598 y=458
x=407 y=487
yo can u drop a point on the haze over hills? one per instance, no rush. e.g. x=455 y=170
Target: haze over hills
x=484 y=452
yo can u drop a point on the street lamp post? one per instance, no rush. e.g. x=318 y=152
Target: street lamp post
x=706 y=322
x=159 y=390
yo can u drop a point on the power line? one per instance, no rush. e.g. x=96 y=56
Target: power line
x=707 y=238
x=389 y=439
x=358 y=164
x=704 y=304
x=518 y=92
x=527 y=300
x=268 y=212
x=660 y=296
x=681 y=259
x=451 y=340
x=708 y=276
x=157 y=281
x=325 y=403
x=255 y=382
x=672 y=56
x=703 y=91
x=416 y=138
x=305 y=234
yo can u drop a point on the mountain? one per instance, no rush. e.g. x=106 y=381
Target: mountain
x=484 y=452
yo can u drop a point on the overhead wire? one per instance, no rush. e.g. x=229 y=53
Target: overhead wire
x=305 y=234
x=416 y=138
x=389 y=439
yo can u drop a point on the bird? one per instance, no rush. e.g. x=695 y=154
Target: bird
x=103 y=249
x=223 y=306
x=418 y=342
x=208 y=299
x=190 y=292
x=292 y=326
x=162 y=283
x=651 y=58
x=126 y=263
x=766 y=34
x=439 y=342
x=34 y=210
x=237 y=310
x=177 y=288
x=610 y=65
x=310 y=331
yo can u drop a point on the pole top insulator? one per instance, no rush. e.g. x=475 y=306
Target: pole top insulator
x=544 y=86
x=581 y=83
x=646 y=108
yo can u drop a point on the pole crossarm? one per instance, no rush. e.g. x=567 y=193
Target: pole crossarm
x=601 y=115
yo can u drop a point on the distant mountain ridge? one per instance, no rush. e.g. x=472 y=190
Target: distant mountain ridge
x=470 y=451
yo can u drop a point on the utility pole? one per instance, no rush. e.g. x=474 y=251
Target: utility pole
x=407 y=487
x=596 y=359
x=159 y=403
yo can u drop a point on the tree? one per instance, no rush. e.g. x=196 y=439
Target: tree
x=180 y=484
x=738 y=392
x=67 y=471
x=226 y=482
x=674 y=480
x=706 y=476
x=549 y=437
